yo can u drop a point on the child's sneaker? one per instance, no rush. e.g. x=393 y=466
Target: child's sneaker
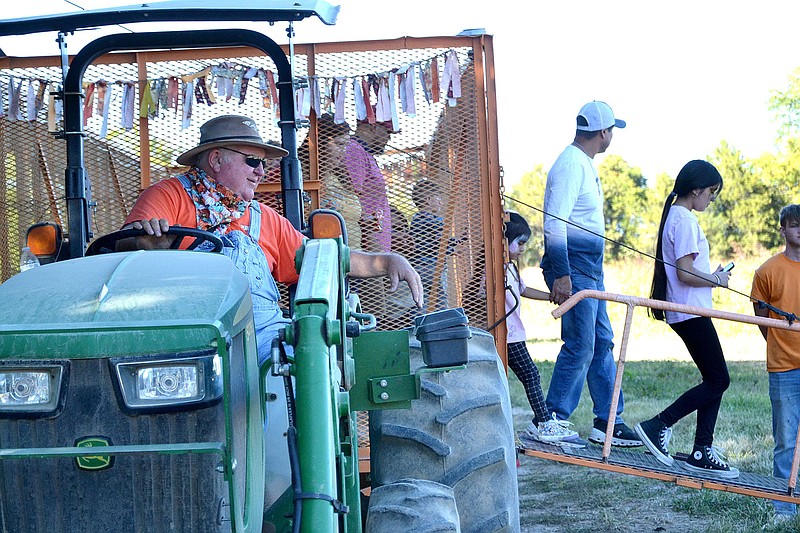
x=529 y=433
x=655 y=435
x=706 y=460
x=554 y=430
x=573 y=441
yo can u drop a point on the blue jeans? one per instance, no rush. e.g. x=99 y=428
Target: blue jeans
x=784 y=393
x=586 y=355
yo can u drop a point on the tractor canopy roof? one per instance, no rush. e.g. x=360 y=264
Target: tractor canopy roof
x=174 y=11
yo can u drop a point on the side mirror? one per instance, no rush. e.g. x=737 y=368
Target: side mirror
x=46 y=241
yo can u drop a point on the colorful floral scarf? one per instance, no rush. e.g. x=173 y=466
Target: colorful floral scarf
x=217 y=206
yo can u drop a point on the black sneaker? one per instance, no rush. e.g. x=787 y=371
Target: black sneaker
x=622 y=436
x=655 y=435
x=705 y=460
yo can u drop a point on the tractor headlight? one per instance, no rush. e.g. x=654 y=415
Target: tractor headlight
x=171 y=381
x=176 y=382
x=31 y=389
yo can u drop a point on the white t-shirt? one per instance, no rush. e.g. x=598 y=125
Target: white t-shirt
x=516 y=329
x=682 y=237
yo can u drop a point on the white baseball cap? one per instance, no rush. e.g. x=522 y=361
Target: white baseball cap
x=597 y=116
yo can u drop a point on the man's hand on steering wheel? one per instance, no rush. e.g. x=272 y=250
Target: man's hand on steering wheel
x=153 y=234
x=156 y=238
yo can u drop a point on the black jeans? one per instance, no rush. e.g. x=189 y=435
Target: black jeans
x=702 y=342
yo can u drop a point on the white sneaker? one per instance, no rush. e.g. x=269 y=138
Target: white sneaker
x=530 y=433
x=551 y=431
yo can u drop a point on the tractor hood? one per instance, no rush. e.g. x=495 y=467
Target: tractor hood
x=137 y=294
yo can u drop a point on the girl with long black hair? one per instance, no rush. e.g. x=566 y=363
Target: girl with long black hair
x=682 y=243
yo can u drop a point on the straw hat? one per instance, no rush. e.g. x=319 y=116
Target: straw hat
x=230 y=130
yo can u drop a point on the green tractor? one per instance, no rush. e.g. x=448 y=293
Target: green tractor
x=131 y=394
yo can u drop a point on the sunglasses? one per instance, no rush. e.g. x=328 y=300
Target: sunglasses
x=249 y=160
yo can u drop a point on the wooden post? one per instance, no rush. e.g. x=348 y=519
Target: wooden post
x=612 y=412
x=144 y=126
x=48 y=183
x=115 y=181
x=491 y=189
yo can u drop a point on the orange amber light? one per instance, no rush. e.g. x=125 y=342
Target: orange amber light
x=43 y=239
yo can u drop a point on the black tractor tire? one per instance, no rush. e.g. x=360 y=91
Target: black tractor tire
x=458 y=433
x=412 y=505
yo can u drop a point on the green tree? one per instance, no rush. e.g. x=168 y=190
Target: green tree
x=742 y=220
x=626 y=205
x=786 y=107
x=627 y=208
x=656 y=196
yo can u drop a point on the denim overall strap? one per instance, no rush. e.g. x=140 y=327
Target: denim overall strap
x=248 y=257
x=187 y=185
x=255 y=220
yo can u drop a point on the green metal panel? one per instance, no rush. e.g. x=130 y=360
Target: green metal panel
x=247 y=498
x=70 y=451
x=144 y=286
x=139 y=303
x=382 y=367
x=350 y=479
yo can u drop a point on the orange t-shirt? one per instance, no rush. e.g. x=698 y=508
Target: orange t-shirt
x=777 y=282
x=279 y=239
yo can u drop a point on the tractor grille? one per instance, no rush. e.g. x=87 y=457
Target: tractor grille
x=138 y=493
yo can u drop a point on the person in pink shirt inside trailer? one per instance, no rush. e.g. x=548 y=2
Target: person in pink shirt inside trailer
x=369 y=183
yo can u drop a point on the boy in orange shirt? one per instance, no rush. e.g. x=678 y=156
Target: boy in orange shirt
x=777 y=282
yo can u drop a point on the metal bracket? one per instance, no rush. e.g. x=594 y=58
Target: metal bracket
x=393 y=389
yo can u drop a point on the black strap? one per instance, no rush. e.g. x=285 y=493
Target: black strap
x=790 y=317
x=337 y=505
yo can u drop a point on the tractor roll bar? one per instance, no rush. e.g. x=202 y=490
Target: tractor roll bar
x=78 y=187
x=173 y=11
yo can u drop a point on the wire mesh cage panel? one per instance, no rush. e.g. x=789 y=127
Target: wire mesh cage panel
x=395 y=135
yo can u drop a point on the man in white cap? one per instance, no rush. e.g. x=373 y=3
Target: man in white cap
x=216 y=194
x=573 y=260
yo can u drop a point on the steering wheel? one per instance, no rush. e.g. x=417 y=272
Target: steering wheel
x=108 y=243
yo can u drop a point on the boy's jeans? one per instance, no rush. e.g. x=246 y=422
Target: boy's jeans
x=784 y=393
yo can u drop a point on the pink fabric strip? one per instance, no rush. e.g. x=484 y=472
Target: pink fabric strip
x=365 y=85
x=88 y=102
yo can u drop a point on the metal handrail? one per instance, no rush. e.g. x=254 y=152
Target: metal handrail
x=669 y=306
x=634 y=301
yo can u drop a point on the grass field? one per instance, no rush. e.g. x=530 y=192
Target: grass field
x=558 y=497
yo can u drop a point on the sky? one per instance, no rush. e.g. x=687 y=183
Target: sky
x=685 y=75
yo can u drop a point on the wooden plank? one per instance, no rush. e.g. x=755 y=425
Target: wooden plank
x=735 y=486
